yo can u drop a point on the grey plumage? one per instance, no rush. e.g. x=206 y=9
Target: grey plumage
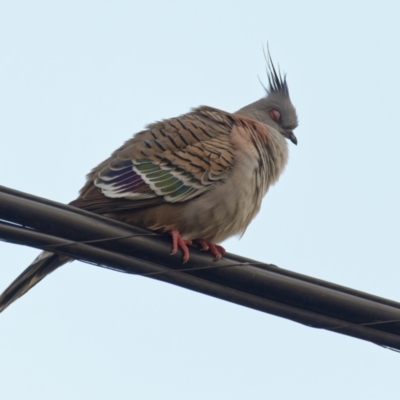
x=200 y=176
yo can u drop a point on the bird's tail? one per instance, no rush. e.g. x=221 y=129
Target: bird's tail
x=43 y=265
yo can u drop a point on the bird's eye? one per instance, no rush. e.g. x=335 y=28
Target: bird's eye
x=275 y=115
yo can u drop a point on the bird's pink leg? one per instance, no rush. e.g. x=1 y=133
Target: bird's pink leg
x=215 y=249
x=178 y=242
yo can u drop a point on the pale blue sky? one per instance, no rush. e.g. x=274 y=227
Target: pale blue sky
x=78 y=78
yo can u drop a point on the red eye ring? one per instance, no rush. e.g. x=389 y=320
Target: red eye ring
x=275 y=115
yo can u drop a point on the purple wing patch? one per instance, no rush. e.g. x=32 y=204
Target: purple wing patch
x=119 y=178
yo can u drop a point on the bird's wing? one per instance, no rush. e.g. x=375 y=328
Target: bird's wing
x=173 y=160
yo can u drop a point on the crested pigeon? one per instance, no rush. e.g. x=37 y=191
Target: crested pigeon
x=200 y=177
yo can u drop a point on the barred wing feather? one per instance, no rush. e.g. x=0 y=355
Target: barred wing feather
x=177 y=159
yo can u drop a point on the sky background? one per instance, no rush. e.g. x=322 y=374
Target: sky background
x=78 y=78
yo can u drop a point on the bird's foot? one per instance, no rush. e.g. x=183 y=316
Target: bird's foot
x=178 y=243
x=215 y=249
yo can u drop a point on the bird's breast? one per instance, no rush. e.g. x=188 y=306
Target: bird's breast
x=229 y=207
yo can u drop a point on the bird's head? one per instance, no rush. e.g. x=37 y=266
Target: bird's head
x=276 y=108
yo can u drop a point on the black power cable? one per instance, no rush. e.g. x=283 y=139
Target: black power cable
x=41 y=223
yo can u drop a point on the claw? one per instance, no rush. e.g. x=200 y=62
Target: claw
x=215 y=249
x=203 y=245
x=178 y=242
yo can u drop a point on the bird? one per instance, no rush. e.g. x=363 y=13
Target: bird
x=199 y=177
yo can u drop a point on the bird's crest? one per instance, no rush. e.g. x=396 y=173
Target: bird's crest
x=277 y=82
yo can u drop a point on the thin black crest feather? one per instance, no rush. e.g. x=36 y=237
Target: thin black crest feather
x=277 y=82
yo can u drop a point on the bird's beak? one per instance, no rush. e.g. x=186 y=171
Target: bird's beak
x=290 y=135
